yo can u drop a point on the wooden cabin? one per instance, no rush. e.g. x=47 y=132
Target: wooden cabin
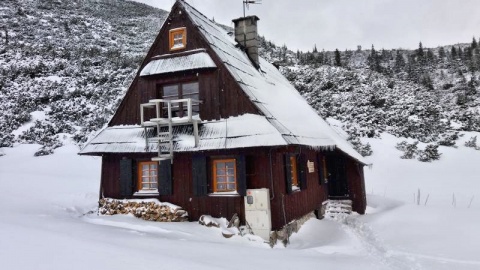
x=207 y=119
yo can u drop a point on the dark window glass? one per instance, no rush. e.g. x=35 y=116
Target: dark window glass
x=181 y=91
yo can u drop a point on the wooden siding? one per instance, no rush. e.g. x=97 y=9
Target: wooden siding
x=301 y=202
x=259 y=174
x=221 y=95
x=356 y=186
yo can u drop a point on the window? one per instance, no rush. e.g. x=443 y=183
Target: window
x=293 y=172
x=148 y=176
x=181 y=91
x=219 y=176
x=224 y=175
x=178 y=38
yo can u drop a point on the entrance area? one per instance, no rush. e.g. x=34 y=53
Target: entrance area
x=337 y=177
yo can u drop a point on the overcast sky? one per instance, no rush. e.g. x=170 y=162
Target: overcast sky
x=344 y=24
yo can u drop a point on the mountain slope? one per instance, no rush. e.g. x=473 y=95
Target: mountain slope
x=71 y=60
x=65 y=65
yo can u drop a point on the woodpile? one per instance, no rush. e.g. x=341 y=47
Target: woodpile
x=146 y=210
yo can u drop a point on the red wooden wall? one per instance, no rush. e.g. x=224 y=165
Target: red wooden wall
x=259 y=175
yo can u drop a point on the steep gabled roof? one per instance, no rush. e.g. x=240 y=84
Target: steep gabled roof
x=287 y=119
x=270 y=91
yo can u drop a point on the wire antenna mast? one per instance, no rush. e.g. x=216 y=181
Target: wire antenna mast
x=246 y=4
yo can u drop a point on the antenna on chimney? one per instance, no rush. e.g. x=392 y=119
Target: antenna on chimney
x=246 y=3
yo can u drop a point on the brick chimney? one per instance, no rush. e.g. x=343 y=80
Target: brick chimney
x=246 y=35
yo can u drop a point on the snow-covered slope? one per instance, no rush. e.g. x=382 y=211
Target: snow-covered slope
x=45 y=221
x=70 y=60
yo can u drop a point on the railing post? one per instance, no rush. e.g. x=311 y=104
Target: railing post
x=169 y=109
x=195 y=133
x=157 y=108
x=189 y=104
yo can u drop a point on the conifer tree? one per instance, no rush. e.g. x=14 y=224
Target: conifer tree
x=430 y=55
x=441 y=52
x=374 y=60
x=420 y=53
x=430 y=153
x=399 y=61
x=474 y=43
x=454 y=53
x=459 y=53
x=338 y=61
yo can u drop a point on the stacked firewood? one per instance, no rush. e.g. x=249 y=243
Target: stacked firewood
x=149 y=210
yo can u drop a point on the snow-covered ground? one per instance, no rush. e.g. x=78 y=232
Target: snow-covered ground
x=44 y=222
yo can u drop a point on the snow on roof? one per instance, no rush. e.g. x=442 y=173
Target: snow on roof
x=248 y=130
x=170 y=63
x=271 y=92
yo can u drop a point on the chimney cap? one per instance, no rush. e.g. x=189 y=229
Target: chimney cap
x=254 y=17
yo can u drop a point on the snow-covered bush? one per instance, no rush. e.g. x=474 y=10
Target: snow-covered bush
x=6 y=139
x=409 y=150
x=448 y=139
x=472 y=142
x=429 y=153
x=365 y=149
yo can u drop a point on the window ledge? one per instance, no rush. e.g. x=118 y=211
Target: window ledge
x=224 y=194
x=141 y=193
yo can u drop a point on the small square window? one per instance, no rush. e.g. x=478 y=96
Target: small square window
x=178 y=38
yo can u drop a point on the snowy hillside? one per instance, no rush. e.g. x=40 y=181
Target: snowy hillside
x=65 y=65
x=70 y=61
x=46 y=221
x=425 y=94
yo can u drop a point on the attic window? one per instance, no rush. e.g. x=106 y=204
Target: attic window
x=178 y=38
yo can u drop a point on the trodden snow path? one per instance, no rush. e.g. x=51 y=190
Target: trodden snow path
x=376 y=247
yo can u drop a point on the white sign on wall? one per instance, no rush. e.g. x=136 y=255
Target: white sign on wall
x=311 y=166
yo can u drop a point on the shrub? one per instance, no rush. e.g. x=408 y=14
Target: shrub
x=430 y=153
x=363 y=149
x=472 y=142
x=448 y=139
x=409 y=150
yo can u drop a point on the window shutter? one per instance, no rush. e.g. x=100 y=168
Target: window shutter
x=199 y=175
x=241 y=175
x=165 y=178
x=321 y=169
x=302 y=171
x=126 y=177
x=288 y=173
